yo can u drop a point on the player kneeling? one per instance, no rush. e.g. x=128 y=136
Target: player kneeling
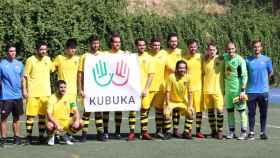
x=58 y=114
x=178 y=96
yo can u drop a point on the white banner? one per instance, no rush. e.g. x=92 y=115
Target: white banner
x=112 y=83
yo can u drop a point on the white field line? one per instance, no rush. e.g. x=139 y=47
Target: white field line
x=275 y=95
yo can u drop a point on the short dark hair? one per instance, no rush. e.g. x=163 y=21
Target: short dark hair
x=59 y=82
x=138 y=39
x=172 y=34
x=41 y=43
x=231 y=42
x=71 y=43
x=211 y=43
x=181 y=62
x=114 y=35
x=155 y=39
x=9 y=45
x=93 y=38
x=256 y=41
x=191 y=41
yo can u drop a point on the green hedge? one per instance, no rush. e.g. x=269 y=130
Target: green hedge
x=27 y=21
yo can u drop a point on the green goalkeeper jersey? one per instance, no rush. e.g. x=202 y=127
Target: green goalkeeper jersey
x=235 y=73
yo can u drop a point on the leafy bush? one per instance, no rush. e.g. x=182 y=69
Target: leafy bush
x=27 y=21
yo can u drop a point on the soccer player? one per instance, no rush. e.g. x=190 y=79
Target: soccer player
x=115 y=44
x=173 y=55
x=235 y=84
x=178 y=95
x=213 y=89
x=11 y=76
x=38 y=89
x=59 y=108
x=94 y=44
x=194 y=60
x=159 y=59
x=147 y=74
x=66 y=66
x=259 y=72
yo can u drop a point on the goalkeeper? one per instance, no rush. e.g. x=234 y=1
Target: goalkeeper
x=235 y=84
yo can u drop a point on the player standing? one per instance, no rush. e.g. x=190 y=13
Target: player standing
x=38 y=89
x=147 y=72
x=213 y=89
x=94 y=43
x=115 y=44
x=159 y=59
x=194 y=61
x=235 y=84
x=11 y=76
x=173 y=55
x=259 y=72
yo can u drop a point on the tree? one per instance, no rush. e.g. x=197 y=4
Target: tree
x=276 y=7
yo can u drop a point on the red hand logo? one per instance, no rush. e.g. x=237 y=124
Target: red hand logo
x=121 y=75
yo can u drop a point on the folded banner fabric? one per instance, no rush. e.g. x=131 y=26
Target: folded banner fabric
x=112 y=83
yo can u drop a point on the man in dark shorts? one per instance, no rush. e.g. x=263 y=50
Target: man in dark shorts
x=11 y=74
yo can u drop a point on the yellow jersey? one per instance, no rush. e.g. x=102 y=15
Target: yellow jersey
x=37 y=72
x=178 y=88
x=61 y=108
x=172 y=57
x=82 y=60
x=159 y=60
x=213 y=75
x=67 y=69
x=195 y=70
x=146 y=68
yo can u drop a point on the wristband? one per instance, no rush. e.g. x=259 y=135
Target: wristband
x=242 y=89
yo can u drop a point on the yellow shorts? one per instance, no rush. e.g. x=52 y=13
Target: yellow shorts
x=158 y=100
x=147 y=100
x=64 y=124
x=172 y=105
x=212 y=101
x=36 y=106
x=198 y=101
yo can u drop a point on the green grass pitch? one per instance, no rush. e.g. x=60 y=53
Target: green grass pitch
x=206 y=148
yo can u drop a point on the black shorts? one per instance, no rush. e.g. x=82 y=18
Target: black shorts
x=14 y=106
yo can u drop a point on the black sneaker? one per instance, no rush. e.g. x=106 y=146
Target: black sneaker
x=118 y=135
x=167 y=136
x=28 y=140
x=57 y=139
x=159 y=134
x=17 y=140
x=83 y=137
x=41 y=140
x=263 y=136
x=251 y=136
x=3 y=142
x=101 y=137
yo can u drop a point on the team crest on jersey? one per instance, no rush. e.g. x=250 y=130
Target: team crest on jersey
x=65 y=102
x=217 y=63
x=228 y=70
